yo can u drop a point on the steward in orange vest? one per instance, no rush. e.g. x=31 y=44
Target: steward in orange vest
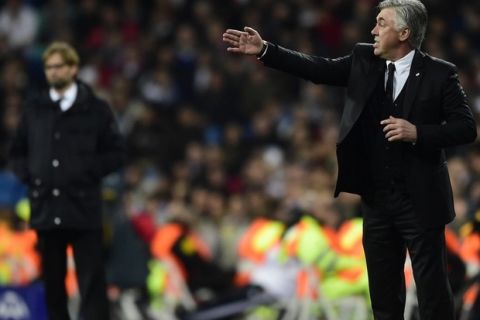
x=262 y=236
x=176 y=242
x=470 y=252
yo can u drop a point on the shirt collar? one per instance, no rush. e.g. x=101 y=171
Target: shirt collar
x=68 y=97
x=403 y=65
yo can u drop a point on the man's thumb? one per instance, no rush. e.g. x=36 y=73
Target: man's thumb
x=250 y=31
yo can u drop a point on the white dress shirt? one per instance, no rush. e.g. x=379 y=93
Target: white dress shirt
x=402 y=70
x=68 y=97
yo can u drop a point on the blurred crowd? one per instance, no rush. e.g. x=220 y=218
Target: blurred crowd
x=215 y=140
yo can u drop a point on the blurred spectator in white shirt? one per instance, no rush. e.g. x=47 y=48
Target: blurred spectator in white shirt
x=18 y=24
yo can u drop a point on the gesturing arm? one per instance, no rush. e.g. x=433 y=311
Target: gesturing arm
x=313 y=68
x=317 y=69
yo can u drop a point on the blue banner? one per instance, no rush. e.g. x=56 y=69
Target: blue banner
x=23 y=303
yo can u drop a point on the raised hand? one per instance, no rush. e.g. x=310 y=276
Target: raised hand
x=246 y=42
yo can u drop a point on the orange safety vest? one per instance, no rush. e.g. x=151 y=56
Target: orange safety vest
x=259 y=238
x=470 y=253
x=307 y=284
x=470 y=248
x=19 y=247
x=306 y=240
x=349 y=243
x=71 y=283
x=452 y=241
x=165 y=238
x=24 y=250
x=349 y=237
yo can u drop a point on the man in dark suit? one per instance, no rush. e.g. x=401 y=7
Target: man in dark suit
x=403 y=107
x=66 y=142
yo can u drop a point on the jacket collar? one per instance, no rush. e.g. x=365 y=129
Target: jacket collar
x=84 y=96
x=68 y=98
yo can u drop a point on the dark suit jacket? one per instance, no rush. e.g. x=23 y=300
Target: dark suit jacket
x=434 y=102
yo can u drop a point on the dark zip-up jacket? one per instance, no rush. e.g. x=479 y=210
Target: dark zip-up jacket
x=62 y=157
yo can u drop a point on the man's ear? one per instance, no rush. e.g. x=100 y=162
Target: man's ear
x=404 y=34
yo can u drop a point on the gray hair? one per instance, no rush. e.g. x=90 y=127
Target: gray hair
x=411 y=14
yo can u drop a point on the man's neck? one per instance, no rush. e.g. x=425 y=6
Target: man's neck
x=400 y=53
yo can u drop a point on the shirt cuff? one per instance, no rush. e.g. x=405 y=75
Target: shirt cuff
x=261 y=54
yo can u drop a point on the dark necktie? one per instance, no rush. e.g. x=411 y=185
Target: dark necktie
x=389 y=87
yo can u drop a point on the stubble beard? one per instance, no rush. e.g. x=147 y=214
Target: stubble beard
x=60 y=84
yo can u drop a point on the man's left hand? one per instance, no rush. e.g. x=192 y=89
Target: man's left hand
x=397 y=129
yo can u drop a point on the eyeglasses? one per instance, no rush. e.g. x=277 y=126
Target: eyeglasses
x=54 y=66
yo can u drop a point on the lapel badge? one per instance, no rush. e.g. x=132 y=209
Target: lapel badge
x=417 y=74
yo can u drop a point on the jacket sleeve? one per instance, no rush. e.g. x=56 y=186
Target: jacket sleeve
x=18 y=151
x=458 y=126
x=111 y=148
x=317 y=69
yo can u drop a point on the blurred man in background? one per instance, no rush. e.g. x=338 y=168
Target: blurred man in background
x=66 y=142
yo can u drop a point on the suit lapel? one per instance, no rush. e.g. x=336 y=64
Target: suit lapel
x=364 y=88
x=413 y=82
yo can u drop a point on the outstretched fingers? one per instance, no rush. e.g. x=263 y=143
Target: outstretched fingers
x=234 y=32
x=234 y=45
x=232 y=38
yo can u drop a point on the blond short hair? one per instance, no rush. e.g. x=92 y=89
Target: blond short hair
x=68 y=53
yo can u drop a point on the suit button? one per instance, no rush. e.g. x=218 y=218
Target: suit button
x=56 y=192
x=57 y=220
x=35 y=194
x=57 y=135
x=55 y=163
x=37 y=182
